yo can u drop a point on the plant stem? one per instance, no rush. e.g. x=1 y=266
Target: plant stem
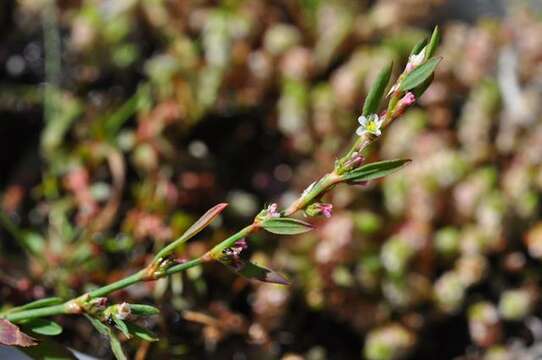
x=117 y=285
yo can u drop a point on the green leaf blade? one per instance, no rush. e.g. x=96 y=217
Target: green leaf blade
x=286 y=226
x=144 y=310
x=377 y=91
x=114 y=342
x=193 y=230
x=43 y=327
x=375 y=170
x=41 y=303
x=253 y=271
x=141 y=332
x=419 y=46
x=420 y=74
x=433 y=43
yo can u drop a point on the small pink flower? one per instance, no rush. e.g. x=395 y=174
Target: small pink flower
x=326 y=209
x=316 y=209
x=233 y=254
x=356 y=160
x=272 y=210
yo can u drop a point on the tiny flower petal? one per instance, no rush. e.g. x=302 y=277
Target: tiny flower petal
x=415 y=60
x=272 y=210
x=123 y=311
x=370 y=124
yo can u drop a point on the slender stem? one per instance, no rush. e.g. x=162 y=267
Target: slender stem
x=182 y=267
x=218 y=249
x=117 y=285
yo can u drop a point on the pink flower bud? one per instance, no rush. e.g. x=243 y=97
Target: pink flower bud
x=407 y=100
x=327 y=210
x=319 y=209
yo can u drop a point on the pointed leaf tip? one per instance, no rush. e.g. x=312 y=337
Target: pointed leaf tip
x=42 y=326
x=193 y=230
x=374 y=170
x=252 y=271
x=433 y=43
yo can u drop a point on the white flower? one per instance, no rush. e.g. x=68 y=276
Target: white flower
x=415 y=60
x=370 y=124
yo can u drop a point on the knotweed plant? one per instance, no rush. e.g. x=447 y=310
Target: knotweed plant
x=350 y=169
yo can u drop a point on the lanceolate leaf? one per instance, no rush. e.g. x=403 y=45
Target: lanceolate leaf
x=42 y=326
x=433 y=43
x=253 y=271
x=203 y=221
x=418 y=47
x=141 y=333
x=113 y=340
x=11 y=335
x=286 y=226
x=424 y=86
x=193 y=230
x=419 y=74
x=37 y=304
x=377 y=91
x=375 y=170
x=121 y=325
x=144 y=310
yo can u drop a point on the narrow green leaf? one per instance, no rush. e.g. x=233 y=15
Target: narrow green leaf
x=375 y=170
x=424 y=86
x=253 y=271
x=113 y=340
x=42 y=326
x=419 y=74
x=419 y=46
x=11 y=335
x=193 y=230
x=40 y=303
x=377 y=91
x=433 y=43
x=203 y=221
x=141 y=332
x=144 y=310
x=286 y=226
x=121 y=325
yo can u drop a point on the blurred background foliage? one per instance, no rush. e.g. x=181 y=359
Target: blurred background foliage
x=123 y=121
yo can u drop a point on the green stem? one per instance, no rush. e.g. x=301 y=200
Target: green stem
x=117 y=285
x=321 y=186
x=182 y=267
x=229 y=242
